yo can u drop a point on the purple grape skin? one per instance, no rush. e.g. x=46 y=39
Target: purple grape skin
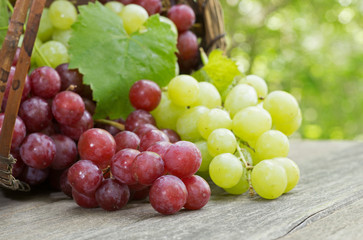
x=54 y=179
x=126 y=139
x=198 y=192
x=183 y=17
x=66 y=152
x=64 y=183
x=145 y=94
x=85 y=177
x=45 y=82
x=83 y=200
x=19 y=166
x=26 y=90
x=38 y=150
x=75 y=131
x=160 y=148
x=70 y=77
x=36 y=113
x=147 y=167
x=168 y=194
x=152 y=137
x=140 y=194
x=121 y=165
x=68 y=107
x=112 y=195
x=138 y=118
x=34 y=176
x=19 y=132
x=172 y=135
x=141 y=130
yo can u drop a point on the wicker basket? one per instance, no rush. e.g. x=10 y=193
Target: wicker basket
x=209 y=27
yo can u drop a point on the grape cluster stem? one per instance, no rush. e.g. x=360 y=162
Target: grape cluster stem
x=248 y=167
x=112 y=123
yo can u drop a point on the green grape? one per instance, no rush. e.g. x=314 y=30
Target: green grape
x=208 y=96
x=271 y=144
x=251 y=122
x=241 y=187
x=221 y=141
x=166 y=113
x=186 y=125
x=45 y=30
x=55 y=52
x=289 y=127
x=62 y=14
x=133 y=17
x=62 y=36
x=206 y=157
x=269 y=179
x=214 y=119
x=257 y=83
x=38 y=44
x=292 y=172
x=225 y=170
x=114 y=6
x=183 y=90
x=240 y=97
x=282 y=106
x=168 y=21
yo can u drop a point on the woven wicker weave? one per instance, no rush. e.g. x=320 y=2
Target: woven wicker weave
x=209 y=27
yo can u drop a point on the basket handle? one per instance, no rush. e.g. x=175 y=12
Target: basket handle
x=17 y=87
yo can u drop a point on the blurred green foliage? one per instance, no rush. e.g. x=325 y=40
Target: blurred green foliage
x=312 y=49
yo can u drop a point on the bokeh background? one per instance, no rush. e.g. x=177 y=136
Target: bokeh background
x=311 y=48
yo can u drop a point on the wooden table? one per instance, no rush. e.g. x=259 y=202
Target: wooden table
x=326 y=204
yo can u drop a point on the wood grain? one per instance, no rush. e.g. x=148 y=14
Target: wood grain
x=327 y=202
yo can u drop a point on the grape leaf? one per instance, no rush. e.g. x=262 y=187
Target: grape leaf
x=4 y=20
x=219 y=70
x=111 y=60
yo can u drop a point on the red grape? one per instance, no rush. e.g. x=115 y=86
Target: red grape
x=66 y=152
x=36 y=113
x=172 y=135
x=83 y=200
x=75 y=131
x=152 y=137
x=182 y=159
x=121 y=165
x=38 y=150
x=140 y=195
x=19 y=166
x=160 y=148
x=45 y=82
x=16 y=57
x=126 y=139
x=89 y=105
x=19 y=132
x=138 y=118
x=151 y=6
x=187 y=46
x=112 y=195
x=147 y=167
x=70 y=77
x=67 y=107
x=64 y=183
x=85 y=177
x=145 y=94
x=198 y=192
x=183 y=17
x=98 y=146
x=34 y=176
x=168 y=194
x=141 y=130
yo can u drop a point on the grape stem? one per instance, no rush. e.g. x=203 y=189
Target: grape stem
x=248 y=167
x=247 y=145
x=45 y=60
x=11 y=8
x=112 y=123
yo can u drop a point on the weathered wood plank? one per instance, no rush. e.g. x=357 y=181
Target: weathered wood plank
x=331 y=181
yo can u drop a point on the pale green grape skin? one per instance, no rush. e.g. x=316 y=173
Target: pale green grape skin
x=240 y=97
x=292 y=172
x=241 y=187
x=258 y=83
x=271 y=144
x=183 y=90
x=133 y=17
x=289 y=127
x=208 y=96
x=38 y=43
x=62 y=36
x=168 y=21
x=282 y=106
x=225 y=170
x=251 y=122
x=45 y=30
x=55 y=52
x=206 y=157
x=214 y=119
x=186 y=125
x=166 y=113
x=62 y=14
x=221 y=141
x=114 y=6
x=269 y=179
